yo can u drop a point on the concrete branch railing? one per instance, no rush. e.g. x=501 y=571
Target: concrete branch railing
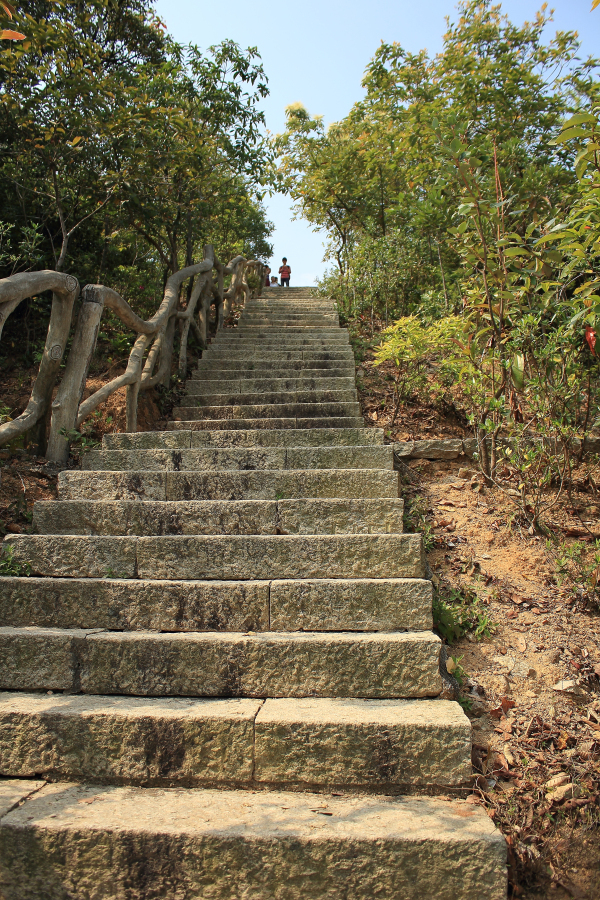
x=151 y=358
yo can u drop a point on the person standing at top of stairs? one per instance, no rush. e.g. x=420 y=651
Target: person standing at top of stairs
x=285 y=272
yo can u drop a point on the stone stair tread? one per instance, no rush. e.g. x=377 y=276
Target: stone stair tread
x=329 y=409
x=186 y=439
x=325 y=604
x=292 y=399
x=335 y=742
x=370 y=665
x=246 y=459
x=403 y=848
x=247 y=385
x=222 y=557
x=316 y=422
x=157 y=517
x=257 y=484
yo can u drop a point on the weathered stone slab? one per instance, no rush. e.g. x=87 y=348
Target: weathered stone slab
x=313 y=437
x=261 y=355
x=273 y=369
x=231 y=459
x=229 y=557
x=130 y=517
x=12 y=793
x=38 y=658
x=363 y=742
x=261 y=665
x=210 y=386
x=135 y=605
x=165 y=843
x=76 y=556
x=279 y=484
x=158 y=440
x=339 y=458
x=147 y=440
x=113 y=485
x=268 y=410
x=196 y=460
x=316 y=422
x=340 y=516
x=351 y=604
x=127 y=740
x=271 y=398
x=209 y=425
x=263 y=556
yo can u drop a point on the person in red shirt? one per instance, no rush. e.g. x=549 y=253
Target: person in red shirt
x=285 y=273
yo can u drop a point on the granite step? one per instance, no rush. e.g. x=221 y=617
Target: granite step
x=241 y=368
x=117 y=604
x=302 y=742
x=210 y=384
x=221 y=557
x=182 y=439
x=156 y=517
x=263 y=484
x=325 y=410
x=270 y=398
x=260 y=355
x=289 y=422
x=245 y=459
x=167 y=843
x=382 y=665
x=262 y=333
x=286 y=329
x=290 y=320
x=280 y=341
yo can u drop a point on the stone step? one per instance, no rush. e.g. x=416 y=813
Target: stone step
x=304 y=742
x=252 y=341
x=245 y=459
x=261 y=355
x=247 y=331
x=277 y=424
x=308 y=437
x=155 y=517
x=222 y=557
x=210 y=385
x=289 y=320
x=286 y=325
x=115 y=604
x=270 y=411
x=263 y=484
x=387 y=666
x=270 y=398
x=240 y=368
x=170 y=843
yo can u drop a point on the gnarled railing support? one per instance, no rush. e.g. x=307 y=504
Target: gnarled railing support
x=65 y=290
x=157 y=334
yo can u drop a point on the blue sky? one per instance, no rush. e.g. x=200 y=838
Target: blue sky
x=316 y=51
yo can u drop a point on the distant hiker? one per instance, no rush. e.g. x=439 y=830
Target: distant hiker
x=267 y=273
x=285 y=273
x=274 y=282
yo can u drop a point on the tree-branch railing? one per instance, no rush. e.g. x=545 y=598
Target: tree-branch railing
x=151 y=358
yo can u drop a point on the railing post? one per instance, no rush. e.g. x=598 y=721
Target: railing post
x=70 y=392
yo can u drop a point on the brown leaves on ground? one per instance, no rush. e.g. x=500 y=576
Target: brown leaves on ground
x=532 y=689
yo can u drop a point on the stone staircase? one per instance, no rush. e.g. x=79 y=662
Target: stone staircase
x=220 y=681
